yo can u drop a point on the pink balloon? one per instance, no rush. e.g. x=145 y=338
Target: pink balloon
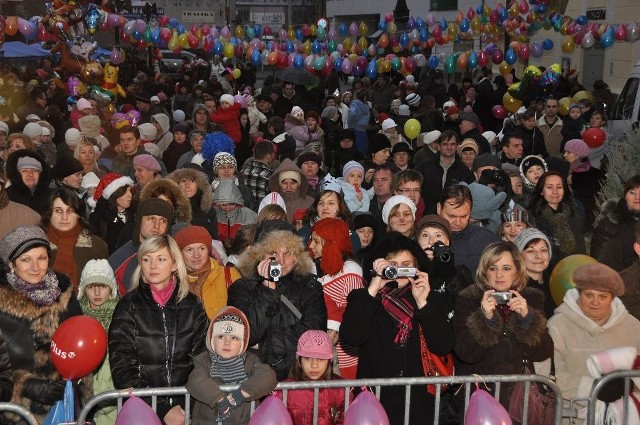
x=485 y=410
x=241 y=100
x=270 y=412
x=366 y=410
x=346 y=66
x=499 y=112
x=136 y=412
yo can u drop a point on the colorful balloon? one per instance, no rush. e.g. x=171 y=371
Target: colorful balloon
x=78 y=346
x=561 y=279
x=136 y=412
x=483 y=409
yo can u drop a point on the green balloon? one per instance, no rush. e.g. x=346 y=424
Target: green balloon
x=450 y=65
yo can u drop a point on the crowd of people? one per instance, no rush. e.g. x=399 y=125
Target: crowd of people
x=323 y=244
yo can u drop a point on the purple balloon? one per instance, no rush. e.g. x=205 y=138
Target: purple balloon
x=271 y=412
x=485 y=410
x=241 y=100
x=366 y=410
x=136 y=412
x=536 y=50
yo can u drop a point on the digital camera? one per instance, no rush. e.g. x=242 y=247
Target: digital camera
x=442 y=252
x=392 y=272
x=275 y=270
x=502 y=297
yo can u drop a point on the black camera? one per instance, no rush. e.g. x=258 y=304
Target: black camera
x=495 y=177
x=275 y=270
x=442 y=252
x=392 y=272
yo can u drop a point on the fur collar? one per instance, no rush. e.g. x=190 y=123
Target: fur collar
x=616 y=212
x=201 y=182
x=248 y=261
x=19 y=305
x=183 y=211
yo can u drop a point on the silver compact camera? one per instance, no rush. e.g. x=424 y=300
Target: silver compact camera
x=392 y=272
x=502 y=297
x=275 y=270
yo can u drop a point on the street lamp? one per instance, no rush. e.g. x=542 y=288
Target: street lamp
x=149 y=9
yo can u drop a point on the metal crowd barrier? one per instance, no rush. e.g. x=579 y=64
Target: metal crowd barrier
x=18 y=410
x=599 y=383
x=375 y=384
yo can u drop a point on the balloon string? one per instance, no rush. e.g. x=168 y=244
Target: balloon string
x=481 y=379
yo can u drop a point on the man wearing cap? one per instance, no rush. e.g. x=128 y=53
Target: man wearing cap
x=446 y=168
x=469 y=130
x=68 y=174
x=30 y=177
x=13 y=214
x=153 y=217
x=512 y=149
x=485 y=162
x=428 y=148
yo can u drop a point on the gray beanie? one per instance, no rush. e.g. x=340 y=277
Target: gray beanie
x=32 y=130
x=527 y=235
x=21 y=240
x=100 y=272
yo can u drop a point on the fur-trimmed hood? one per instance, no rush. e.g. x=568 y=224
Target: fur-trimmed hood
x=248 y=261
x=16 y=179
x=288 y=165
x=206 y=200
x=616 y=212
x=183 y=212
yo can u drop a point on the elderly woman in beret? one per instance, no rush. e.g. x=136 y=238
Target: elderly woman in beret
x=590 y=320
x=34 y=301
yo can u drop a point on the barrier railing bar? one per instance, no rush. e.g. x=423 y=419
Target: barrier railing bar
x=19 y=410
x=597 y=386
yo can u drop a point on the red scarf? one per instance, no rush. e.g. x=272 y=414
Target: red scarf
x=65 y=261
x=400 y=310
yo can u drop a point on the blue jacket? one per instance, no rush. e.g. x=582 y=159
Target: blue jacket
x=359 y=114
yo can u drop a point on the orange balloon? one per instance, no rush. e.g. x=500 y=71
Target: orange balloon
x=11 y=27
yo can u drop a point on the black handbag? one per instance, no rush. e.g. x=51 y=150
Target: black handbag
x=542 y=402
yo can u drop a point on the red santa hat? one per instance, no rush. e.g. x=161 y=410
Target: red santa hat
x=107 y=187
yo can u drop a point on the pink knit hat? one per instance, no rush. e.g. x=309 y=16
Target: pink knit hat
x=315 y=345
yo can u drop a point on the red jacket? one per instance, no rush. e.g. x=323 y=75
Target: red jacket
x=229 y=119
x=330 y=405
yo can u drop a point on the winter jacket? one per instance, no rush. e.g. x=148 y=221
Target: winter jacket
x=229 y=119
x=255 y=175
x=330 y=405
x=38 y=199
x=229 y=222
x=432 y=185
x=613 y=236
x=359 y=115
x=6 y=383
x=631 y=298
x=123 y=163
x=299 y=131
x=274 y=326
x=586 y=186
x=552 y=135
x=498 y=346
x=350 y=196
x=255 y=118
x=576 y=337
x=332 y=130
x=144 y=342
x=368 y=326
x=469 y=244
x=202 y=211
x=214 y=289
x=164 y=137
x=29 y=328
x=532 y=141
x=296 y=200
x=107 y=224
x=173 y=153
x=381 y=97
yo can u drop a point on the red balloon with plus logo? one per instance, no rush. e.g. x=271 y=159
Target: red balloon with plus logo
x=78 y=346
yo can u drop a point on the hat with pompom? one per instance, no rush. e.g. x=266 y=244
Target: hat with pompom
x=107 y=187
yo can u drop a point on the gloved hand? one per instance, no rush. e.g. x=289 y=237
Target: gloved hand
x=224 y=409
x=43 y=390
x=613 y=390
x=235 y=397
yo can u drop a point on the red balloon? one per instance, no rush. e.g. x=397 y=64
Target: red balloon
x=499 y=112
x=594 y=137
x=78 y=346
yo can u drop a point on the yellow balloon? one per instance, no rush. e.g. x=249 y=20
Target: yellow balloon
x=561 y=279
x=239 y=31
x=412 y=128
x=532 y=71
x=510 y=103
x=236 y=73
x=347 y=43
x=362 y=43
x=505 y=68
x=173 y=42
x=392 y=28
x=313 y=30
x=183 y=40
x=386 y=65
x=583 y=94
x=228 y=50
x=475 y=23
x=452 y=30
x=363 y=29
x=563 y=106
x=568 y=44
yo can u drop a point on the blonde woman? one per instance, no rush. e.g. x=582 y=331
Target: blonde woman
x=158 y=327
x=86 y=153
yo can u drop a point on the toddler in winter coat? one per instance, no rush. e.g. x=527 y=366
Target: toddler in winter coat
x=355 y=196
x=227 y=361
x=572 y=125
x=255 y=116
x=314 y=358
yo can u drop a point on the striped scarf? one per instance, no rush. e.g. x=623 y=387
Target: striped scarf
x=231 y=371
x=400 y=310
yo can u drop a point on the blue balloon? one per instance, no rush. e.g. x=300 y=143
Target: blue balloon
x=473 y=60
x=581 y=20
x=503 y=14
x=337 y=64
x=443 y=24
x=420 y=23
x=181 y=29
x=607 y=38
x=299 y=35
x=433 y=62
x=257 y=29
x=173 y=22
x=542 y=8
x=255 y=57
x=343 y=29
x=315 y=47
x=155 y=36
x=218 y=49
x=289 y=47
x=424 y=34
x=404 y=39
x=298 y=62
x=372 y=71
x=464 y=25
x=382 y=25
x=270 y=45
x=547 y=44
x=137 y=35
x=510 y=56
x=479 y=10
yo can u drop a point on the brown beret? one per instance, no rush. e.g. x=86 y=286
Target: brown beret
x=599 y=277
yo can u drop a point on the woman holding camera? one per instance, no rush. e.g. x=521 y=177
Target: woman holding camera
x=499 y=320
x=279 y=294
x=387 y=320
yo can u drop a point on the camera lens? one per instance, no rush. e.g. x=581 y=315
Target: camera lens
x=390 y=272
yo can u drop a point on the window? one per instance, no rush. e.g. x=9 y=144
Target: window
x=444 y=4
x=626 y=101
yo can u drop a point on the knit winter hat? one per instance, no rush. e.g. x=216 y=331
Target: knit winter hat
x=100 y=272
x=337 y=243
x=83 y=104
x=388 y=123
x=229 y=321
x=486 y=160
x=178 y=115
x=73 y=137
x=452 y=110
x=147 y=161
x=32 y=130
x=392 y=202
x=107 y=187
x=155 y=100
x=404 y=111
x=351 y=166
x=309 y=156
x=227 y=98
x=291 y=174
x=181 y=127
x=66 y=166
x=395 y=103
x=527 y=235
x=468 y=144
x=315 y=116
x=90 y=125
x=272 y=198
x=224 y=158
x=90 y=180
x=28 y=162
x=378 y=142
x=329 y=112
x=152 y=206
x=148 y=131
x=413 y=99
x=577 y=146
x=599 y=277
x=21 y=240
x=297 y=112
x=434 y=220
x=193 y=234
x=315 y=345
x=365 y=219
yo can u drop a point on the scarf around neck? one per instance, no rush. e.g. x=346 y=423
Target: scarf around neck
x=102 y=314
x=162 y=296
x=230 y=371
x=559 y=221
x=400 y=310
x=42 y=293
x=65 y=240
x=197 y=278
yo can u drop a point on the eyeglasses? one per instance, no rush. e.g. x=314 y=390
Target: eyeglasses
x=409 y=191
